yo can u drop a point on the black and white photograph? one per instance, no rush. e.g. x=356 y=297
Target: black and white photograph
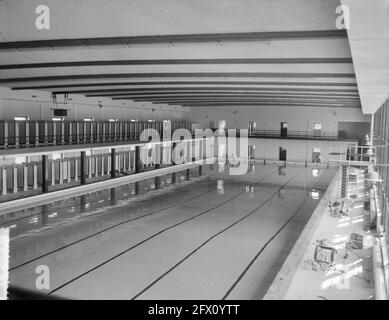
x=193 y=156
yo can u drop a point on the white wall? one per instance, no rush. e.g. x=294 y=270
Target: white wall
x=270 y=117
x=38 y=105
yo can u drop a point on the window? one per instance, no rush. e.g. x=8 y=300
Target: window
x=317 y=126
x=21 y=118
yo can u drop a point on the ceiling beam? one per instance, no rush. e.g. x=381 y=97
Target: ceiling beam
x=147 y=83
x=152 y=62
x=203 y=89
x=260 y=103
x=176 y=75
x=182 y=38
x=249 y=94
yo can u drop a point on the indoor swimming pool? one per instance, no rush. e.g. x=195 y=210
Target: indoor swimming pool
x=208 y=235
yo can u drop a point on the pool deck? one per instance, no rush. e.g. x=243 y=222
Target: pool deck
x=351 y=276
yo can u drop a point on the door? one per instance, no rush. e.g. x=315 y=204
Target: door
x=252 y=152
x=252 y=127
x=284 y=129
x=282 y=156
x=317 y=129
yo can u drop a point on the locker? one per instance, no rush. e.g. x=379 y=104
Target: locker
x=107 y=132
x=67 y=136
x=81 y=135
x=87 y=130
x=94 y=131
x=32 y=132
x=74 y=132
x=22 y=132
x=11 y=133
x=58 y=132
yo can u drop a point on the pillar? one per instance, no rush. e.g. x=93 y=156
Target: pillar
x=45 y=187
x=137 y=159
x=83 y=167
x=113 y=163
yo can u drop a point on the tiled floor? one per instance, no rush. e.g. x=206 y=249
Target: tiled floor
x=210 y=240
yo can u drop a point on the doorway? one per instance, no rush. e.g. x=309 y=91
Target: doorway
x=284 y=129
x=317 y=129
x=316 y=155
x=252 y=152
x=282 y=156
x=252 y=127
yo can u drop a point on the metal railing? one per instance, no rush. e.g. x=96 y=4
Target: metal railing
x=291 y=134
x=20 y=134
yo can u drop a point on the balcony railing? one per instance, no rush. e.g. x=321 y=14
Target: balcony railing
x=320 y=135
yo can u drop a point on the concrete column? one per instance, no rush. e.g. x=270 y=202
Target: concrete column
x=78 y=132
x=35 y=177
x=103 y=132
x=25 y=177
x=60 y=164
x=187 y=174
x=36 y=134
x=124 y=126
x=27 y=134
x=15 y=179
x=89 y=167
x=70 y=133
x=102 y=165
x=75 y=169
x=62 y=132
x=46 y=134
x=108 y=163
x=54 y=133
x=113 y=163
x=52 y=173
x=16 y=134
x=69 y=179
x=96 y=166
x=5 y=134
x=137 y=160
x=45 y=186
x=91 y=132
x=98 y=132
x=84 y=131
x=83 y=167
x=4 y=181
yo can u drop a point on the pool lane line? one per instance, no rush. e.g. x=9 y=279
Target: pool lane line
x=211 y=238
x=263 y=249
x=155 y=235
x=113 y=226
x=260 y=251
